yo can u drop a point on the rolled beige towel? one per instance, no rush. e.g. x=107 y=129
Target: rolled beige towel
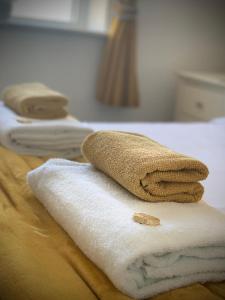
x=35 y=100
x=147 y=169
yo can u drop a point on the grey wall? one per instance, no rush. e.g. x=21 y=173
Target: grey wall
x=172 y=35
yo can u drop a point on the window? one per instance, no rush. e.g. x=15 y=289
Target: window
x=79 y=15
x=57 y=10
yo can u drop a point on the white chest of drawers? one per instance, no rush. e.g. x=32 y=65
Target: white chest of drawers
x=200 y=96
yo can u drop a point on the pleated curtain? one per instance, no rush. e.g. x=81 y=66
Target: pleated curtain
x=117 y=82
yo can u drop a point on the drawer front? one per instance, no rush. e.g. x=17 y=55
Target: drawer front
x=201 y=101
x=184 y=117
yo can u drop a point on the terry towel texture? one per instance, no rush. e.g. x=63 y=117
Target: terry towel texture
x=35 y=100
x=145 y=168
x=188 y=246
x=55 y=138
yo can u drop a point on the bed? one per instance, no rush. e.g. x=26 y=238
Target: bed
x=38 y=260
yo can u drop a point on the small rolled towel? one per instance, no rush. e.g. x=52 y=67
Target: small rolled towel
x=35 y=100
x=144 y=167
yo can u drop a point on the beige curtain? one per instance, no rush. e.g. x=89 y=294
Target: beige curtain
x=117 y=83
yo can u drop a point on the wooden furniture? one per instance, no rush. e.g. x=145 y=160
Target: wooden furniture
x=200 y=96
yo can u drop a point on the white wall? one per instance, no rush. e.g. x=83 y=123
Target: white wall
x=175 y=35
x=172 y=35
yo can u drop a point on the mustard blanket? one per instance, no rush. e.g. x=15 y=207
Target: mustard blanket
x=147 y=169
x=38 y=260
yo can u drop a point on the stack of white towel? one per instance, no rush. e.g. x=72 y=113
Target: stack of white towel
x=52 y=138
x=188 y=246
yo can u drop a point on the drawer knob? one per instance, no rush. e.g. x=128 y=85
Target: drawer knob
x=199 y=105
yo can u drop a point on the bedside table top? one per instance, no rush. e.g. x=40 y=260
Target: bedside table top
x=215 y=78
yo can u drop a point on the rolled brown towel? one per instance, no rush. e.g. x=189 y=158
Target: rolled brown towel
x=147 y=169
x=35 y=100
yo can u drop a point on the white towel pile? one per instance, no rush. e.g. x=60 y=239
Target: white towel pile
x=188 y=246
x=52 y=138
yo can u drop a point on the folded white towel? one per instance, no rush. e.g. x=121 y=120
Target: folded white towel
x=188 y=246
x=55 y=138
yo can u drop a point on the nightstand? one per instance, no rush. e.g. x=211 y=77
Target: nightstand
x=200 y=96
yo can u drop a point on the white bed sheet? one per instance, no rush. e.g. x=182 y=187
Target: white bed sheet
x=205 y=141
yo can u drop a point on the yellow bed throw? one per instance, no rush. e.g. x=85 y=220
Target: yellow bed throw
x=147 y=169
x=35 y=100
